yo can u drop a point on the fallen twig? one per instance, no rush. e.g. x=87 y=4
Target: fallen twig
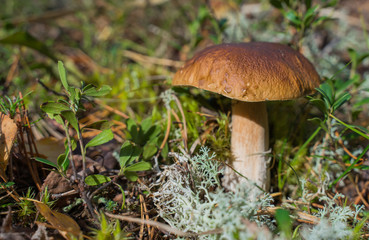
x=162 y=226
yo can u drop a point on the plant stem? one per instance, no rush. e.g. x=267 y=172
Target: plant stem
x=65 y=126
x=87 y=200
x=352 y=128
x=82 y=184
x=83 y=153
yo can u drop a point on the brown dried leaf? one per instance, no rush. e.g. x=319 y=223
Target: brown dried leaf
x=8 y=132
x=65 y=224
x=50 y=148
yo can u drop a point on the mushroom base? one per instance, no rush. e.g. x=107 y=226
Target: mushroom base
x=249 y=145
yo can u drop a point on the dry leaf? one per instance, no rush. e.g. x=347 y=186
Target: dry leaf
x=65 y=224
x=40 y=233
x=50 y=148
x=8 y=132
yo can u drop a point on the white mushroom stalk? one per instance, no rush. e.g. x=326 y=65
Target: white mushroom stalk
x=249 y=144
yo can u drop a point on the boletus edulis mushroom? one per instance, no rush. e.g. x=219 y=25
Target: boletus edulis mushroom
x=250 y=74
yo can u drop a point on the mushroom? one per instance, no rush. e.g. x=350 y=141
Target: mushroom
x=250 y=74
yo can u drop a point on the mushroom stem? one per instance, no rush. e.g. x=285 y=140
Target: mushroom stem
x=249 y=144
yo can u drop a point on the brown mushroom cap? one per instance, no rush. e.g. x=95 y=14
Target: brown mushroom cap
x=255 y=71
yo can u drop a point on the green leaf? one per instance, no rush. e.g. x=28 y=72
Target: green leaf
x=165 y=151
x=128 y=153
x=319 y=20
x=87 y=87
x=316 y=120
x=63 y=162
x=341 y=100
x=77 y=94
x=70 y=116
x=45 y=161
x=353 y=55
x=25 y=39
x=93 y=92
x=358 y=230
x=6 y=185
x=117 y=233
x=63 y=101
x=149 y=150
x=284 y=222
x=72 y=94
x=293 y=17
x=125 y=153
x=63 y=75
x=309 y=15
x=103 y=137
x=73 y=142
x=146 y=124
x=54 y=107
x=96 y=179
x=123 y=195
x=132 y=176
x=133 y=130
x=363 y=167
x=140 y=166
x=56 y=117
x=327 y=91
x=152 y=134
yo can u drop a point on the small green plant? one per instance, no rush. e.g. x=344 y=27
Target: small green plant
x=108 y=204
x=328 y=104
x=356 y=81
x=65 y=111
x=133 y=157
x=27 y=209
x=332 y=96
x=302 y=15
x=46 y=197
x=190 y=198
x=195 y=27
x=109 y=230
x=142 y=145
x=9 y=106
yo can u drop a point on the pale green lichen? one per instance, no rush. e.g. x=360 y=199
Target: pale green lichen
x=185 y=201
x=167 y=97
x=189 y=197
x=334 y=219
x=333 y=222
